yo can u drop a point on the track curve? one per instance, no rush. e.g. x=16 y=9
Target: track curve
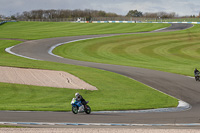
x=181 y=87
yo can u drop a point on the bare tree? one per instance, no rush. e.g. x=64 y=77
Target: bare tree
x=53 y=14
x=160 y=15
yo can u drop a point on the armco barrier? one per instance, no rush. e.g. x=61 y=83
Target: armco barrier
x=131 y=22
x=176 y=22
x=113 y=21
x=3 y=22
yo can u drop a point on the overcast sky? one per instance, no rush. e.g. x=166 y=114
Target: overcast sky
x=121 y=7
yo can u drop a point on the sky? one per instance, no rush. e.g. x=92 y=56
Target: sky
x=121 y=7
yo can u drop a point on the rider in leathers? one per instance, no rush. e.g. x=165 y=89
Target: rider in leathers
x=196 y=72
x=80 y=98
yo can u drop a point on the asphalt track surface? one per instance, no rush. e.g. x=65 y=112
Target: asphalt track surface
x=181 y=87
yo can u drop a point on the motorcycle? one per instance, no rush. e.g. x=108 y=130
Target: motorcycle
x=197 y=76
x=77 y=107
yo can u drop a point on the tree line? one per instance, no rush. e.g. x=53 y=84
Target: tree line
x=53 y=14
x=87 y=14
x=136 y=13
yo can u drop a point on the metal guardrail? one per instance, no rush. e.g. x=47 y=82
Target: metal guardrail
x=113 y=22
x=3 y=22
x=144 y=19
x=133 y=22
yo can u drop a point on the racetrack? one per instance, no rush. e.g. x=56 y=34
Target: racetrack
x=181 y=87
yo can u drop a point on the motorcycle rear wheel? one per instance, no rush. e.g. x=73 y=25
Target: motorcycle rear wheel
x=197 y=78
x=88 y=110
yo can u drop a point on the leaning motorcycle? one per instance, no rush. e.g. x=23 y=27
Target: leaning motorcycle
x=197 y=76
x=77 y=107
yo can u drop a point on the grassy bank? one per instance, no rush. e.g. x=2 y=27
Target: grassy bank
x=9 y=126
x=39 y=30
x=115 y=92
x=176 y=52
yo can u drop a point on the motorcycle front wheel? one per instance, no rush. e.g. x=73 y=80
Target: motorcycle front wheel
x=88 y=110
x=75 y=109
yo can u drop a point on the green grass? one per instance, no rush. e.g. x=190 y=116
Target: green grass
x=176 y=52
x=170 y=20
x=39 y=30
x=180 y=20
x=115 y=92
x=9 y=126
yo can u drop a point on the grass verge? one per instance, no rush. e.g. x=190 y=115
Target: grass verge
x=40 y=30
x=116 y=92
x=176 y=52
x=9 y=126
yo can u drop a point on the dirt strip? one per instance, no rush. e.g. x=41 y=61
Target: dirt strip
x=38 y=77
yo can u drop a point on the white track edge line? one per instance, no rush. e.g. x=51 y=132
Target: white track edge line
x=180 y=106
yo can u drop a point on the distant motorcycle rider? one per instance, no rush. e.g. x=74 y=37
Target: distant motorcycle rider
x=80 y=98
x=196 y=74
